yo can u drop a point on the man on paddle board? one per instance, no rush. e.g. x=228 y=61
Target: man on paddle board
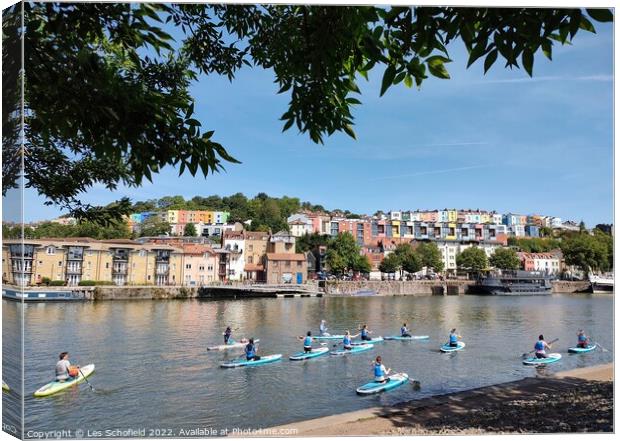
x=365 y=333
x=227 y=334
x=540 y=347
x=250 y=351
x=323 y=329
x=64 y=370
x=582 y=339
x=307 y=342
x=404 y=332
x=347 y=340
x=454 y=338
x=381 y=373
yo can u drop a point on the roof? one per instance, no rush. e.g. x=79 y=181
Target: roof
x=196 y=249
x=286 y=256
x=256 y=235
x=253 y=267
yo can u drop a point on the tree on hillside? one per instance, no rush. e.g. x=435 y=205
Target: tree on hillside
x=154 y=226
x=121 y=60
x=505 y=258
x=472 y=259
x=430 y=256
x=589 y=253
x=343 y=253
x=308 y=242
x=189 y=230
x=604 y=228
x=411 y=263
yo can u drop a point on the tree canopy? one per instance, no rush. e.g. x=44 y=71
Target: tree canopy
x=430 y=256
x=343 y=254
x=472 y=259
x=589 y=252
x=107 y=97
x=505 y=258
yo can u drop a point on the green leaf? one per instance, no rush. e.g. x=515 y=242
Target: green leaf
x=388 y=77
x=349 y=131
x=408 y=81
x=439 y=70
x=587 y=25
x=193 y=122
x=399 y=77
x=600 y=14
x=527 y=58
x=546 y=48
x=478 y=51
x=288 y=125
x=490 y=59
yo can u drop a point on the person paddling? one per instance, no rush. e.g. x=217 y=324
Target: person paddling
x=227 y=334
x=250 y=351
x=323 y=329
x=404 y=332
x=346 y=341
x=307 y=342
x=540 y=347
x=582 y=339
x=454 y=338
x=64 y=370
x=381 y=373
x=365 y=333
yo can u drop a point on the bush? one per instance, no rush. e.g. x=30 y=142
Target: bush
x=57 y=283
x=46 y=281
x=95 y=282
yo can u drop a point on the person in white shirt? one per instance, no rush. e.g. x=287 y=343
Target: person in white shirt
x=64 y=370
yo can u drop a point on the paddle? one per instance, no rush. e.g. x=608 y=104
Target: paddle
x=86 y=379
x=600 y=346
x=533 y=350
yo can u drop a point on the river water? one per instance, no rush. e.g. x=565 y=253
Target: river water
x=153 y=371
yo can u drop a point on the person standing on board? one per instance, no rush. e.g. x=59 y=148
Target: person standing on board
x=454 y=338
x=227 y=334
x=64 y=370
x=404 y=332
x=582 y=339
x=250 y=351
x=307 y=342
x=381 y=373
x=323 y=329
x=540 y=347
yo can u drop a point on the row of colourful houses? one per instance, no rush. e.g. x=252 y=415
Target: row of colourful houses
x=260 y=257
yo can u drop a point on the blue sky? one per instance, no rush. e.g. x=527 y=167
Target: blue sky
x=502 y=142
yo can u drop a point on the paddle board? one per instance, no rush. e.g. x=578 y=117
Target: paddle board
x=551 y=358
x=242 y=362
x=237 y=344
x=353 y=350
x=578 y=350
x=413 y=337
x=448 y=348
x=57 y=386
x=305 y=355
x=373 y=387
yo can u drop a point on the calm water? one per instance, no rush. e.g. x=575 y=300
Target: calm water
x=153 y=370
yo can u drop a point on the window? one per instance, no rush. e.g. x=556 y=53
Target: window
x=201 y=268
x=287 y=264
x=250 y=247
x=250 y=259
x=187 y=266
x=60 y=263
x=50 y=250
x=107 y=265
x=299 y=264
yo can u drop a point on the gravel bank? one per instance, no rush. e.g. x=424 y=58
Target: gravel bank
x=587 y=408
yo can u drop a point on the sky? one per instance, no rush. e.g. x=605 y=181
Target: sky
x=501 y=141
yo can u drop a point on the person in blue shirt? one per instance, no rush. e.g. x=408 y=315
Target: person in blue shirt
x=404 y=332
x=380 y=372
x=454 y=338
x=307 y=342
x=250 y=351
x=365 y=333
x=582 y=339
x=347 y=340
x=323 y=329
x=540 y=347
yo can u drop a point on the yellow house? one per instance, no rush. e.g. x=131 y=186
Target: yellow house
x=452 y=215
x=173 y=216
x=395 y=228
x=75 y=260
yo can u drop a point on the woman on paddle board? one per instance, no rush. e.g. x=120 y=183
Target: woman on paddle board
x=404 y=332
x=454 y=338
x=64 y=370
x=582 y=339
x=347 y=340
x=365 y=333
x=250 y=351
x=540 y=347
x=381 y=373
x=307 y=342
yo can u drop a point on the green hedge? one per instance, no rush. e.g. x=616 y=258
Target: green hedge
x=95 y=282
x=57 y=283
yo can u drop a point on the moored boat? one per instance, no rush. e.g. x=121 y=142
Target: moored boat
x=515 y=283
